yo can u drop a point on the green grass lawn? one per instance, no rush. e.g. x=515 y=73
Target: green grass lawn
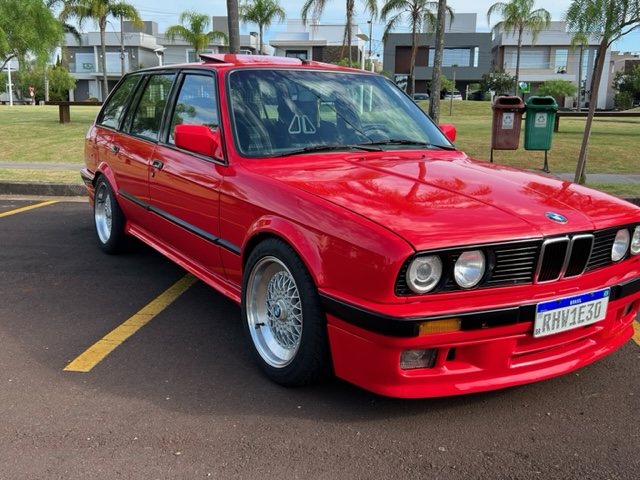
x=33 y=134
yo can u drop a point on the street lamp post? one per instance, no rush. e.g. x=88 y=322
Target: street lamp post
x=10 y=84
x=370 y=22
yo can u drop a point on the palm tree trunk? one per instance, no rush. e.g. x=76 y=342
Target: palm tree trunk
x=593 y=99
x=261 y=45
x=103 y=46
x=234 y=26
x=436 y=81
x=348 y=27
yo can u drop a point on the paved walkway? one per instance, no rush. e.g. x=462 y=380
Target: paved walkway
x=41 y=166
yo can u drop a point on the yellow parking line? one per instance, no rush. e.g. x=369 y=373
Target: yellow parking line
x=98 y=351
x=636 y=332
x=30 y=207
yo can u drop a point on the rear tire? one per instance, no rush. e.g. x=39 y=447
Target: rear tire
x=109 y=220
x=282 y=317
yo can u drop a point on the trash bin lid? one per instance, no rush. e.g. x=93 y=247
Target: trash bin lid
x=542 y=103
x=504 y=102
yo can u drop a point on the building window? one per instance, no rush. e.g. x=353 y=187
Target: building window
x=530 y=58
x=562 y=56
x=191 y=54
x=301 y=54
x=454 y=57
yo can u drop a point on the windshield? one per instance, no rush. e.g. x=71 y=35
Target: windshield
x=284 y=112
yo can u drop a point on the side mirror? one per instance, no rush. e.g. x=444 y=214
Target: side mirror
x=199 y=139
x=449 y=130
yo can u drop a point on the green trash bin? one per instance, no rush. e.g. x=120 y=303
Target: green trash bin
x=538 y=124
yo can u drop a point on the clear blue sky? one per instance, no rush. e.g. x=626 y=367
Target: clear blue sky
x=165 y=13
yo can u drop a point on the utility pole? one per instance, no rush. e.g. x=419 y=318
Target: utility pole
x=370 y=22
x=121 y=47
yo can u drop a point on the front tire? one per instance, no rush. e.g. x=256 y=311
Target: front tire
x=283 y=321
x=109 y=220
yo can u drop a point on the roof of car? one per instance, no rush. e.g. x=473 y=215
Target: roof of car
x=228 y=59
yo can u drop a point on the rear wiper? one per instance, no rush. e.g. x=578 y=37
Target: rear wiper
x=326 y=148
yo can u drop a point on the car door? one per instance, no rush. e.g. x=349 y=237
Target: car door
x=184 y=186
x=111 y=149
x=134 y=146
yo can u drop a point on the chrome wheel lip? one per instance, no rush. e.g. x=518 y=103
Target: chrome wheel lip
x=103 y=213
x=274 y=312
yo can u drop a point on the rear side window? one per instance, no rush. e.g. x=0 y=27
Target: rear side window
x=147 y=117
x=196 y=104
x=116 y=104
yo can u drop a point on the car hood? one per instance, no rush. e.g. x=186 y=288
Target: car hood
x=436 y=199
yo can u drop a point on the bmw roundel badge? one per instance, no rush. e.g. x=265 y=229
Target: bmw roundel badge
x=556 y=217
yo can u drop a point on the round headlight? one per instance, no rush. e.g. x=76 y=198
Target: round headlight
x=620 y=245
x=470 y=268
x=635 y=242
x=424 y=273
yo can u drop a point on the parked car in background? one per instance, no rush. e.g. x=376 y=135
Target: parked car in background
x=357 y=240
x=419 y=97
x=455 y=95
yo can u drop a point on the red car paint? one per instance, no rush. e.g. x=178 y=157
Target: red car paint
x=355 y=217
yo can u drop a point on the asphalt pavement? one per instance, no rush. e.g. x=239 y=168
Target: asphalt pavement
x=77 y=190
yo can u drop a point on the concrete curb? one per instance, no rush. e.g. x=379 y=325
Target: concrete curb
x=43 y=189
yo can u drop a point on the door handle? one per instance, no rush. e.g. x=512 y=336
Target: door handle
x=115 y=148
x=157 y=164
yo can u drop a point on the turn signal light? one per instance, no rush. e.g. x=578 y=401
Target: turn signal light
x=440 y=326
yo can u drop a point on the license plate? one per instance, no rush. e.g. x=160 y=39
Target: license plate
x=570 y=312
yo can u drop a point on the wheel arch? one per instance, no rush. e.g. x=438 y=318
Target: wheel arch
x=298 y=238
x=104 y=170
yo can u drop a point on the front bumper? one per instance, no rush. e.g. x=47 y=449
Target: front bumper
x=480 y=359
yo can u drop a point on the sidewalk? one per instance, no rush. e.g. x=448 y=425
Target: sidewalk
x=62 y=190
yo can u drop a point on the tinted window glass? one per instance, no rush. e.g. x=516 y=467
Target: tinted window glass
x=117 y=102
x=196 y=104
x=148 y=115
x=278 y=112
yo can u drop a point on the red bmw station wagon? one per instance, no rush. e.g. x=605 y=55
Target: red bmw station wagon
x=356 y=238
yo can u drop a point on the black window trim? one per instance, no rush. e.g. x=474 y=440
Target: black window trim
x=123 y=115
x=166 y=123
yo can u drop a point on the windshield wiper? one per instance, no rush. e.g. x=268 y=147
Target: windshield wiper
x=397 y=141
x=327 y=148
x=407 y=141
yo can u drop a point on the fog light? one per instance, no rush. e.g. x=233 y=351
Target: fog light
x=422 y=358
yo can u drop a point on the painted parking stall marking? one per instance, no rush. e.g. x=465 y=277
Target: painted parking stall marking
x=28 y=207
x=103 y=347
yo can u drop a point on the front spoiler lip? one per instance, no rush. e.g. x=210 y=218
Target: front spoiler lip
x=407 y=327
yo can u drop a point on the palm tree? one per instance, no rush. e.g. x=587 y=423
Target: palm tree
x=518 y=16
x=99 y=11
x=316 y=7
x=419 y=15
x=262 y=13
x=607 y=20
x=195 y=32
x=234 y=26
